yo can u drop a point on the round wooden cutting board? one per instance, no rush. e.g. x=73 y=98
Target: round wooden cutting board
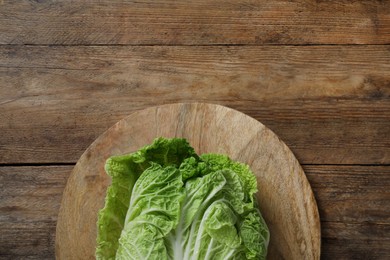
x=285 y=197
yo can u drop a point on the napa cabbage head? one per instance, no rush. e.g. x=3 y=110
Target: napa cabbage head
x=166 y=202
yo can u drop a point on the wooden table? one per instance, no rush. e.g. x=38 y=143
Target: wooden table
x=315 y=72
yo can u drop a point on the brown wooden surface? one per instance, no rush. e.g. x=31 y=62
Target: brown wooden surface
x=209 y=128
x=195 y=22
x=336 y=97
x=358 y=222
x=324 y=90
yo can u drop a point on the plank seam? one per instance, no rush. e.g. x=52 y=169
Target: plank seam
x=195 y=45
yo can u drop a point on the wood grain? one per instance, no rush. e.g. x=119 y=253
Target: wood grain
x=295 y=226
x=29 y=202
x=346 y=184
x=327 y=97
x=330 y=104
x=355 y=241
x=28 y=228
x=194 y=22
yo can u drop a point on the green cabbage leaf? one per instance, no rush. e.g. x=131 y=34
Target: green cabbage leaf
x=166 y=202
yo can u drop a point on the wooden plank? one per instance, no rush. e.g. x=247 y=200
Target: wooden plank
x=350 y=194
x=355 y=241
x=352 y=202
x=194 y=22
x=29 y=202
x=330 y=104
x=354 y=207
x=27 y=240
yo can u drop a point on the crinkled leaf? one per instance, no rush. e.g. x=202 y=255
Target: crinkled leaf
x=124 y=171
x=166 y=202
x=155 y=206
